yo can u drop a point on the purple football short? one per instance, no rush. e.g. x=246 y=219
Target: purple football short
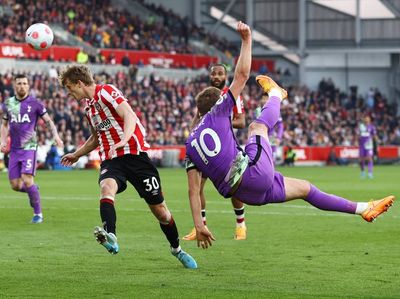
x=365 y=152
x=21 y=161
x=260 y=184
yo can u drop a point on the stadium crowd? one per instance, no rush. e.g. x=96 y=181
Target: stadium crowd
x=166 y=108
x=104 y=26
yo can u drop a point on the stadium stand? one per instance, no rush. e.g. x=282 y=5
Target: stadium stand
x=102 y=25
x=325 y=116
x=322 y=117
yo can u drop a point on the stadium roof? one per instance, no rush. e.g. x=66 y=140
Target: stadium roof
x=369 y=9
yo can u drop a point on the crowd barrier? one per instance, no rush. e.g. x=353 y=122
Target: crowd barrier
x=66 y=53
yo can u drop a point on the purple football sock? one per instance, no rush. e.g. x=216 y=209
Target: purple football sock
x=270 y=112
x=34 y=198
x=330 y=202
x=370 y=166
x=23 y=189
x=362 y=165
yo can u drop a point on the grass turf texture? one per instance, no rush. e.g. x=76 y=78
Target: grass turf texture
x=293 y=250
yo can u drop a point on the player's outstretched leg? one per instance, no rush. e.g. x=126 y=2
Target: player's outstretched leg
x=270 y=112
x=267 y=84
x=295 y=188
x=108 y=240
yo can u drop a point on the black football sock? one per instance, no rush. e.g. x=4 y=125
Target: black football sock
x=171 y=232
x=108 y=215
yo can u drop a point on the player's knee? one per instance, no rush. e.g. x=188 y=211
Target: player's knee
x=256 y=128
x=164 y=216
x=108 y=187
x=162 y=213
x=107 y=190
x=15 y=187
x=306 y=188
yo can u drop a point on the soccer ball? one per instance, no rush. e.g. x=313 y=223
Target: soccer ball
x=39 y=36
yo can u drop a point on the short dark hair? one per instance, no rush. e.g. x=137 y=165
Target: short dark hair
x=206 y=99
x=219 y=64
x=20 y=76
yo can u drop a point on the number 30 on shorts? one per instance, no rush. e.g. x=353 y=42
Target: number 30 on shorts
x=151 y=184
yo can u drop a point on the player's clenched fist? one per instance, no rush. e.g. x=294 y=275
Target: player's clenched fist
x=244 y=30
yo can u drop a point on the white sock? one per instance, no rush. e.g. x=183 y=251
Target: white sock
x=176 y=250
x=40 y=215
x=275 y=92
x=361 y=207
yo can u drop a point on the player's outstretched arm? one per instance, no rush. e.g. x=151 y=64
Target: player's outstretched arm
x=52 y=128
x=242 y=70
x=91 y=143
x=204 y=236
x=3 y=135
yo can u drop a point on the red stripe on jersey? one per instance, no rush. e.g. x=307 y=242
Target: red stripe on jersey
x=104 y=142
x=140 y=134
x=115 y=93
x=115 y=138
x=239 y=107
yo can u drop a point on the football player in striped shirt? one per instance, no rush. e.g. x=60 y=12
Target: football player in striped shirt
x=117 y=131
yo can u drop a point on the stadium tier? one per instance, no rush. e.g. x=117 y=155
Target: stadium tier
x=103 y=24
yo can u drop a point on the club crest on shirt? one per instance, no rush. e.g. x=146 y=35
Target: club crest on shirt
x=97 y=106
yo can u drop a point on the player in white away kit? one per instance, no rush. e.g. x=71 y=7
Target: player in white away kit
x=121 y=137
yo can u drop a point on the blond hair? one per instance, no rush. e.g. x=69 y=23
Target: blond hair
x=75 y=73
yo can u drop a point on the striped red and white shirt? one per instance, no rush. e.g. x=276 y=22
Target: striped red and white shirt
x=239 y=107
x=102 y=115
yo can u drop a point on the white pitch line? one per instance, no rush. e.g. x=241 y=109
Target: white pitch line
x=210 y=211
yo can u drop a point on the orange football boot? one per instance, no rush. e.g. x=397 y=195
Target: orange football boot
x=377 y=207
x=190 y=236
x=266 y=83
x=240 y=233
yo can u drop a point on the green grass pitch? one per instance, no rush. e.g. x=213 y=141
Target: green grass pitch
x=293 y=250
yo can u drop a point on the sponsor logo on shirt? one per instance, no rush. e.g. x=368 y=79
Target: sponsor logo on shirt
x=104 y=125
x=18 y=118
